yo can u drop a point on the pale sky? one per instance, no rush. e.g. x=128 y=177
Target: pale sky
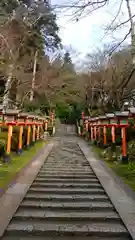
x=86 y=35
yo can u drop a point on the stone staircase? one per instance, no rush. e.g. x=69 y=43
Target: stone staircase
x=65 y=130
x=66 y=202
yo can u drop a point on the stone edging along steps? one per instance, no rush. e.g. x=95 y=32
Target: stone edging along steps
x=66 y=201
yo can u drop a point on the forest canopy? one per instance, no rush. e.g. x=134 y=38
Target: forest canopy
x=34 y=81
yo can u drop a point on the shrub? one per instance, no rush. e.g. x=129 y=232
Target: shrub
x=15 y=137
x=3 y=143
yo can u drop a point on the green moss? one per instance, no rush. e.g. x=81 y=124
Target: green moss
x=8 y=171
x=126 y=172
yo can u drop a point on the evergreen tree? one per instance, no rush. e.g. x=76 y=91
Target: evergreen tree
x=33 y=30
x=67 y=62
x=38 y=19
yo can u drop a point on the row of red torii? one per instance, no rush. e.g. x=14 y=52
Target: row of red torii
x=12 y=118
x=109 y=120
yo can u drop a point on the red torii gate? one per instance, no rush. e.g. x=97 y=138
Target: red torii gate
x=113 y=121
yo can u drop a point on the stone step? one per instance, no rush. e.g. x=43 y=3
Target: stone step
x=67 y=190
x=66 y=202
x=67 y=175
x=65 y=167
x=56 y=180
x=67 y=205
x=58 y=197
x=66 y=185
x=70 y=150
x=68 y=160
x=66 y=170
x=62 y=238
x=71 y=172
x=76 y=170
x=67 y=164
x=43 y=228
x=41 y=214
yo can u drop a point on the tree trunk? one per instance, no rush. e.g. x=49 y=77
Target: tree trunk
x=132 y=32
x=7 y=86
x=33 y=78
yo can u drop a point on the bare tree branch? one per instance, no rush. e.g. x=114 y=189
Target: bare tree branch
x=117 y=45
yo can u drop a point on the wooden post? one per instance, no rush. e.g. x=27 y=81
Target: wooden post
x=28 y=135
x=83 y=123
x=10 y=130
x=20 y=139
x=29 y=123
x=112 y=120
x=113 y=134
x=92 y=133
x=105 y=138
x=33 y=128
x=10 y=121
x=99 y=134
x=123 y=124
x=89 y=129
x=103 y=122
x=86 y=127
x=92 y=130
x=124 y=149
x=38 y=130
x=95 y=132
x=21 y=122
x=111 y=124
x=34 y=133
x=98 y=131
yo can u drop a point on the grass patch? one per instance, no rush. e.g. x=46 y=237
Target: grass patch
x=126 y=172
x=8 y=171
